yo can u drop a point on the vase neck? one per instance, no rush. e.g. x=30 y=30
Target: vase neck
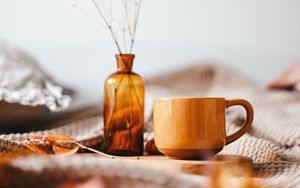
x=125 y=62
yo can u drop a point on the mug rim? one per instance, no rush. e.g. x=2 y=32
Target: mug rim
x=187 y=98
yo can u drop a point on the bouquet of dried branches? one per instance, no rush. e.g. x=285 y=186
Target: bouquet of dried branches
x=120 y=17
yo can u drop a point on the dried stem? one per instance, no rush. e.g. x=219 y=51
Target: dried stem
x=135 y=24
x=135 y=93
x=131 y=26
x=84 y=12
x=127 y=19
x=101 y=153
x=108 y=25
x=131 y=10
x=93 y=150
x=132 y=29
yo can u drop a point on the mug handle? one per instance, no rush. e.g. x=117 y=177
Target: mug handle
x=249 y=118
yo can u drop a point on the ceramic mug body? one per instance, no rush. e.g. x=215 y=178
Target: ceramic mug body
x=194 y=128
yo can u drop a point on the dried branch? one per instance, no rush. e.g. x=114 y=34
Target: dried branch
x=95 y=2
x=81 y=10
x=127 y=30
x=136 y=22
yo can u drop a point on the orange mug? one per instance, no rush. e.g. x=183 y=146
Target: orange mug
x=194 y=128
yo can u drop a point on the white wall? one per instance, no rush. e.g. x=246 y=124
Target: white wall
x=257 y=37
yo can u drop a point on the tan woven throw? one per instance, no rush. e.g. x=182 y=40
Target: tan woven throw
x=273 y=142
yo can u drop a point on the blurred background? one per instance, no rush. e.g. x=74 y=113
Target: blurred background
x=258 y=38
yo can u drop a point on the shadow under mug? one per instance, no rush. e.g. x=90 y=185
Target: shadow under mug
x=194 y=128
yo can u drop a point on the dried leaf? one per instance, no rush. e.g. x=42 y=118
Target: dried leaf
x=33 y=147
x=32 y=143
x=64 y=151
x=57 y=138
x=151 y=148
x=59 y=144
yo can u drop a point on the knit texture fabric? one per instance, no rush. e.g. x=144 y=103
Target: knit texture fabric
x=273 y=141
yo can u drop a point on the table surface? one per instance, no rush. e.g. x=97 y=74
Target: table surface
x=238 y=165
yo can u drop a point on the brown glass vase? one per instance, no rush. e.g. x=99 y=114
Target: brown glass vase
x=124 y=110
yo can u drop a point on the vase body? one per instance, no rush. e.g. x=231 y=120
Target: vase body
x=124 y=110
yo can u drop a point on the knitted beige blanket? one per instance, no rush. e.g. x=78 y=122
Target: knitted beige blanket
x=273 y=141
